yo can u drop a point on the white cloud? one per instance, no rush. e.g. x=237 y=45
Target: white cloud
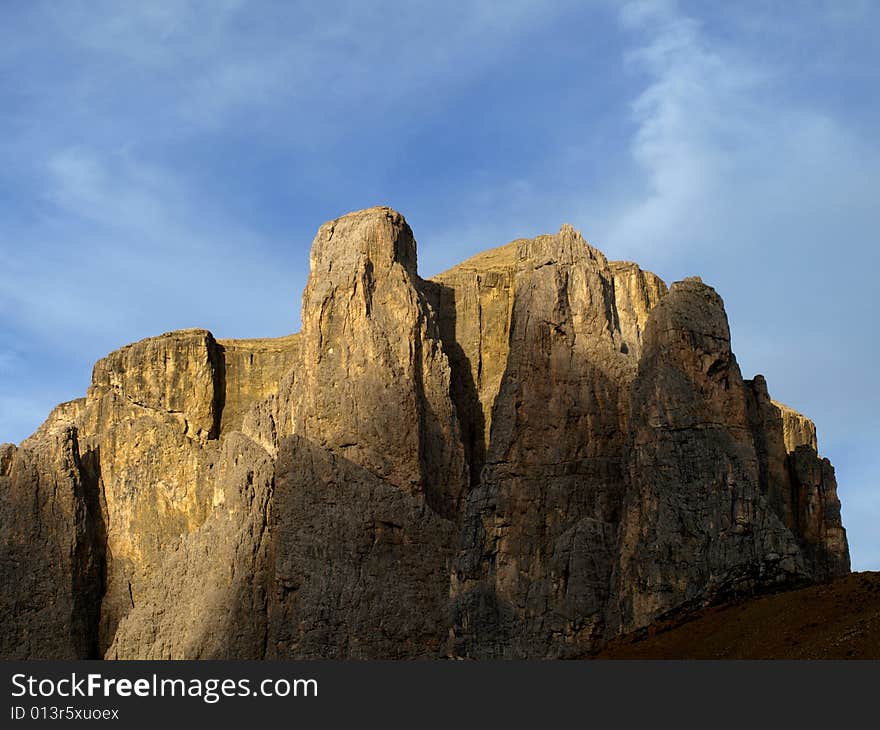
x=110 y=189
x=720 y=147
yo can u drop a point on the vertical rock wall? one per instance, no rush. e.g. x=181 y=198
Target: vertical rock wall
x=698 y=520
x=531 y=453
x=538 y=541
x=371 y=477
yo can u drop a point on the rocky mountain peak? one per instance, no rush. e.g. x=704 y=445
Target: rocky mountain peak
x=378 y=235
x=524 y=456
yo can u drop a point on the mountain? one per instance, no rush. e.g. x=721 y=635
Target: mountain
x=528 y=455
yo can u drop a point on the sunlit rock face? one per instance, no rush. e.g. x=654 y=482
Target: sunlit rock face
x=522 y=457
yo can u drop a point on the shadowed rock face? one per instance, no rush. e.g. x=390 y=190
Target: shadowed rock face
x=697 y=520
x=538 y=536
x=523 y=457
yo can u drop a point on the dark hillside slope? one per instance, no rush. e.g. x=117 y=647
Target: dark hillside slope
x=837 y=620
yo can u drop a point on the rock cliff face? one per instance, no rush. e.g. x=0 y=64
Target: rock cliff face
x=526 y=456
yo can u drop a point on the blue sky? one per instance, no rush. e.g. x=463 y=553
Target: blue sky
x=166 y=164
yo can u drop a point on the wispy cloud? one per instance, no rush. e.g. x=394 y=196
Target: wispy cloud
x=218 y=60
x=736 y=178
x=722 y=145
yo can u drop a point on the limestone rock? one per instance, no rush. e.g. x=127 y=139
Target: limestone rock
x=818 y=528
x=252 y=371
x=797 y=429
x=474 y=305
x=768 y=431
x=374 y=385
x=164 y=498
x=370 y=479
x=696 y=522
x=51 y=550
x=538 y=540
x=799 y=484
x=177 y=373
x=528 y=454
x=211 y=599
x=636 y=293
x=361 y=565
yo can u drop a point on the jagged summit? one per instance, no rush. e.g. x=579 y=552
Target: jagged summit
x=525 y=456
x=380 y=235
x=506 y=256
